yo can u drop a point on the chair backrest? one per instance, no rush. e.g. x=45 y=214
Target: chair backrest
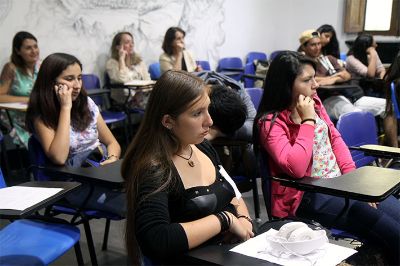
x=228 y=64
x=2 y=181
x=90 y=82
x=255 y=56
x=205 y=65
x=155 y=71
x=358 y=128
x=37 y=158
x=274 y=54
x=255 y=95
x=249 y=68
x=343 y=56
x=394 y=100
x=266 y=181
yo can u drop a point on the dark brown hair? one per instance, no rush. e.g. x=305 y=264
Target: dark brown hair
x=43 y=102
x=149 y=156
x=18 y=40
x=169 y=39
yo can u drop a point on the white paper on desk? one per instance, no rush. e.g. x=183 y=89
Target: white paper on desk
x=138 y=82
x=330 y=255
x=21 y=198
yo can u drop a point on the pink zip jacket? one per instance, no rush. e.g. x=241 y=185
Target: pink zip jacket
x=289 y=147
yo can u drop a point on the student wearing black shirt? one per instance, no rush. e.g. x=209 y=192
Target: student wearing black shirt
x=178 y=196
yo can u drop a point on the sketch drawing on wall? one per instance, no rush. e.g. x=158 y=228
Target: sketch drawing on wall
x=5 y=7
x=86 y=28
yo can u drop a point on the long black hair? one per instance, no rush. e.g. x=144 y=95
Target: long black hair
x=360 y=46
x=278 y=86
x=331 y=48
x=392 y=75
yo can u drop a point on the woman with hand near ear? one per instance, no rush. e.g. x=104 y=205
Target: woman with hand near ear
x=363 y=60
x=175 y=55
x=70 y=128
x=297 y=136
x=178 y=195
x=126 y=65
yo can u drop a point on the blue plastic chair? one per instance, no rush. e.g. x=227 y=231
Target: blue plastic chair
x=231 y=65
x=255 y=95
x=255 y=56
x=155 y=71
x=38 y=161
x=250 y=69
x=274 y=54
x=27 y=242
x=204 y=64
x=358 y=128
x=394 y=100
x=343 y=56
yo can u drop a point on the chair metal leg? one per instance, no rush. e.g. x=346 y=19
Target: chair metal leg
x=106 y=231
x=78 y=253
x=256 y=198
x=92 y=251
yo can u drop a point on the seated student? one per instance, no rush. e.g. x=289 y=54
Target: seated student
x=294 y=130
x=245 y=132
x=126 y=65
x=392 y=75
x=329 y=41
x=329 y=72
x=70 y=128
x=227 y=111
x=177 y=197
x=363 y=63
x=363 y=60
x=16 y=81
x=175 y=55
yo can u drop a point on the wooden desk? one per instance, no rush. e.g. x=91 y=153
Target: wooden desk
x=368 y=183
x=67 y=187
x=106 y=175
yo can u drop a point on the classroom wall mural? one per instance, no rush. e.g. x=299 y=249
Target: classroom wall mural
x=85 y=28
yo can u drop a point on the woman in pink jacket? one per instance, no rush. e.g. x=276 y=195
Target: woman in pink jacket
x=293 y=129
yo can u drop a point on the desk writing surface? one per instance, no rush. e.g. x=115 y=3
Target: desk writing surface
x=14 y=106
x=92 y=92
x=380 y=150
x=368 y=183
x=109 y=174
x=66 y=186
x=140 y=83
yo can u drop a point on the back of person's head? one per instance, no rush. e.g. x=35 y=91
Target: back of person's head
x=226 y=109
x=149 y=156
x=43 y=101
x=360 y=46
x=169 y=38
x=332 y=47
x=17 y=43
x=115 y=46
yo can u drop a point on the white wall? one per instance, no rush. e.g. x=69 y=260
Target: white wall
x=215 y=28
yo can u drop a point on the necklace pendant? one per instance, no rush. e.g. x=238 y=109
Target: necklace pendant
x=190 y=163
